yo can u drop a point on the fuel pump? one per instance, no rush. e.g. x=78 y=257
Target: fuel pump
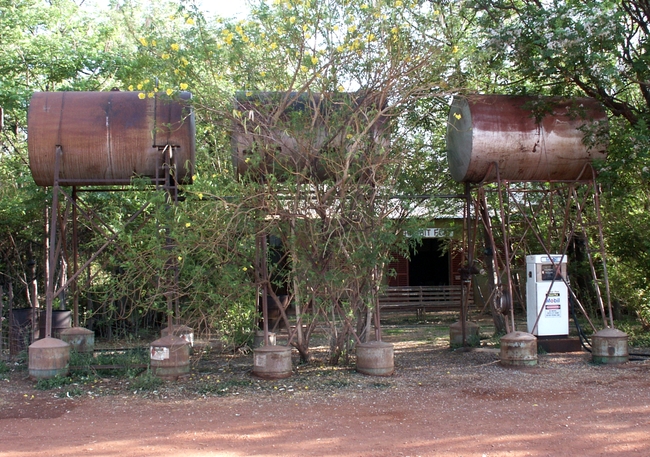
x=547 y=295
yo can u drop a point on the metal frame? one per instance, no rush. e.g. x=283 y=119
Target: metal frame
x=512 y=200
x=56 y=238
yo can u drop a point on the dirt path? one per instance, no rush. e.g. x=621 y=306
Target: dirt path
x=439 y=403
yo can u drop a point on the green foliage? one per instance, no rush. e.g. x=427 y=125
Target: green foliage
x=121 y=363
x=55 y=382
x=4 y=370
x=220 y=388
x=146 y=382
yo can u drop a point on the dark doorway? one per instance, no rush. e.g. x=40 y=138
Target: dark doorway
x=429 y=264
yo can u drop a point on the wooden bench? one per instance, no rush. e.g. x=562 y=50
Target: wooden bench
x=421 y=299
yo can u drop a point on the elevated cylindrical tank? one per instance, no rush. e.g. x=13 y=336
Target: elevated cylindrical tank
x=306 y=134
x=528 y=138
x=108 y=137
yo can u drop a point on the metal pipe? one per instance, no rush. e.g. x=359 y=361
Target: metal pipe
x=50 y=278
x=75 y=259
x=602 y=248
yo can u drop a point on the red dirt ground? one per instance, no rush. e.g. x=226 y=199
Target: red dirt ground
x=438 y=403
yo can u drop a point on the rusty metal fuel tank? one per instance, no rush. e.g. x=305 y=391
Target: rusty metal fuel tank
x=108 y=137
x=528 y=138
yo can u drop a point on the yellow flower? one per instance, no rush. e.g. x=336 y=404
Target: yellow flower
x=352 y=28
x=141 y=95
x=273 y=45
x=436 y=12
x=189 y=21
x=340 y=48
x=364 y=6
x=341 y=89
x=262 y=73
x=245 y=39
x=458 y=115
x=304 y=28
x=131 y=87
x=165 y=56
x=307 y=35
x=200 y=196
x=245 y=269
x=153 y=42
x=249 y=93
x=314 y=60
x=371 y=37
x=292 y=19
x=187 y=224
x=169 y=91
x=143 y=41
x=184 y=61
x=394 y=30
x=175 y=47
x=454 y=49
x=335 y=28
x=398 y=3
x=150 y=94
x=139 y=86
x=183 y=86
x=180 y=258
x=303 y=69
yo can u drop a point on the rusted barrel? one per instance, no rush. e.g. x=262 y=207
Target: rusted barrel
x=170 y=357
x=375 y=358
x=20 y=322
x=258 y=339
x=49 y=357
x=528 y=138
x=182 y=331
x=108 y=137
x=81 y=340
x=471 y=334
x=272 y=362
x=609 y=346
x=518 y=349
x=61 y=320
x=299 y=134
